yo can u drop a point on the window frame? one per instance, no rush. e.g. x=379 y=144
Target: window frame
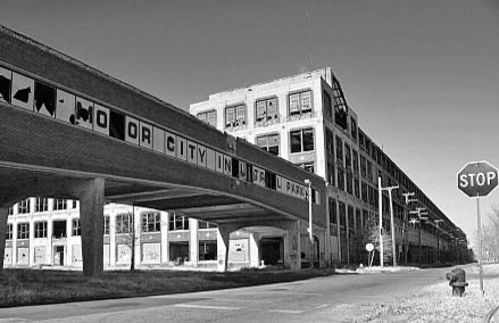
x=40 y=229
x=268 y=118
x=23 y=230
x=300 y=112
x=267 y=147
x=203 y=116
x=301 y=131
x=238 y=122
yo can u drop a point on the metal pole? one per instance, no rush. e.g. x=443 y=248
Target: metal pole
x=380 y=210
x=479 y=227
x=392 y=229
x=310 y=235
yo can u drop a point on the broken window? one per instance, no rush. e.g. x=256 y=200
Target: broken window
x=348 y=156
x=10 y=211
x=300 y=103
x=178 y=222
x=22 y=91
x=23 y=207
x=269 y=143
x=302 y=140
x=332 y=211
x=206 y=225
x=60 y=204
x=342 y=212
x=117 y=125
x=309 y=167
x=235 y=116
x=351 y=219
x=44 y=99
x=5 y=84
x=340 y=106
x=356 y=188
x=151 y=222
x=326 y=105
x=41 y=229
x=76 y=227
x=355 y=161
x=179 y=251
x=8 y=233
x=41 y=204
x=210 y=117
x=341 y=179
x=124 y=223
x=59 y=229
x=353 y=128
x=106 y=224
x=339 y=150
x=23 y=230
x=349 y=182
x=207 y=249
x=266 y=110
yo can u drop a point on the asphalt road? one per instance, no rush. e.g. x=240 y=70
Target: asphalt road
x=303 y=301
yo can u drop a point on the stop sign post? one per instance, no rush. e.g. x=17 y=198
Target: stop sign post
x=476 y=180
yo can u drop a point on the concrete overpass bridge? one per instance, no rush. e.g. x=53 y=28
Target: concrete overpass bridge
x=70 y=131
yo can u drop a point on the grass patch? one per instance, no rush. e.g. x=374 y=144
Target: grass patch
x=30 y=286
x=435 y=303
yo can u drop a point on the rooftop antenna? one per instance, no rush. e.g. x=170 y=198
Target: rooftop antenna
x=309 y=41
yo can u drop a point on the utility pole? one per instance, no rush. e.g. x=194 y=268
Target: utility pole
x=405 y=244
x=380 y=210
x=392 y=225
x=419 y=212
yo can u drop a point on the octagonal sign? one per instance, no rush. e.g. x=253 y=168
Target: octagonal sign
x=477 y=179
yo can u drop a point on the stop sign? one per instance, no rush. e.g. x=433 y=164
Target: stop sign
x=477 y=179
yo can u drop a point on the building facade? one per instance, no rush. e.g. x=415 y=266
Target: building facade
x=45 y=232
x=306 y=120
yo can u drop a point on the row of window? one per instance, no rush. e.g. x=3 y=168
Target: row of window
x=150 y=222
x=301 y=140
x=40 y=229
x=266 y=110
x=42 y=205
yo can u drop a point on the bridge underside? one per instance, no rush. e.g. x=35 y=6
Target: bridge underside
x=228 y=212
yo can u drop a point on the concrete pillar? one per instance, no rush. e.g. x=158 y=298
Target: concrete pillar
x=3 y=230
x=164 y=237
x=31 y=235
x=91 y=196
x=254 y=250
x=223 y=240
x=327 y=236
x=112 y=239
x=50 y=230
x=68 y=248
x=14 y=241
x=138 y=230
x=194 y=242
x=292 y=245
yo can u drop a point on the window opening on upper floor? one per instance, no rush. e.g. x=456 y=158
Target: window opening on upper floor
x=235 y=116
x=210 y=117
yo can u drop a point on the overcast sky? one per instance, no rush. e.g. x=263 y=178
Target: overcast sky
x=423 y=76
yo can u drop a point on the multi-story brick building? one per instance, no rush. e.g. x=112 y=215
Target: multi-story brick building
x=306 y=119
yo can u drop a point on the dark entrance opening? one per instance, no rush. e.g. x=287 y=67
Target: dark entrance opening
x=59 y=255
x=272 y=251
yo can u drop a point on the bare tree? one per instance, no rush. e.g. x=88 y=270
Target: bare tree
x=490 y=237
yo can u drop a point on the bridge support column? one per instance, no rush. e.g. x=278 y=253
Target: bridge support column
x=223 y=245
x=91 y=195
x=3 y=230
x=292 y=248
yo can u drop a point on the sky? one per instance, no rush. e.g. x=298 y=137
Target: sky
x=423 y=76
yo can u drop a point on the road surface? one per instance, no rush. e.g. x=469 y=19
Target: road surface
x=313 y=300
